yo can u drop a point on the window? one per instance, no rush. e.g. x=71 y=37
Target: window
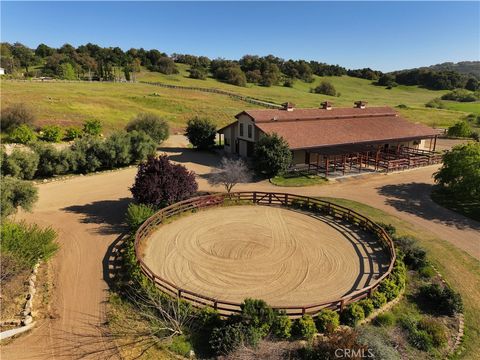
x=250 y=130
x=241 y=129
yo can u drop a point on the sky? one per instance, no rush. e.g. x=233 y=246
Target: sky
x=381 y=35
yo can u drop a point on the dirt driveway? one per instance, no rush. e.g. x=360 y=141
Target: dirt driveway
x=87 y=212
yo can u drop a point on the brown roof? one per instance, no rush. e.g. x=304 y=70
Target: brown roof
x=310 y=128
x=263 y=115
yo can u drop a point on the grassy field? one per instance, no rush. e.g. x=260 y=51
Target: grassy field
x=115 y=103
x=460 y=269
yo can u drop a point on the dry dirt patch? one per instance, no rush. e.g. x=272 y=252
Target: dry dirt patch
x=282 y=256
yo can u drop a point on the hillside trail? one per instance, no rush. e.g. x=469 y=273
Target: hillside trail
x=87 y=212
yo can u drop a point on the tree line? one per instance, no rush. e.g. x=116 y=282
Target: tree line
x=92 y=62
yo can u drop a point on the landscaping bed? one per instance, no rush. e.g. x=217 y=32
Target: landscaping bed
x=297 y=179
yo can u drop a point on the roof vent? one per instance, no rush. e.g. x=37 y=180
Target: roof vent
x=360 y=104
x=326 y=105
x=288 y=106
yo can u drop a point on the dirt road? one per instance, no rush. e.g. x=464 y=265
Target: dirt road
x=87 y=211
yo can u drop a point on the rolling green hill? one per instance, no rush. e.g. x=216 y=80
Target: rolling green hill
x=115 y=103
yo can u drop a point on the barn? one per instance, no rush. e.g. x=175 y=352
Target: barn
x=336 y=141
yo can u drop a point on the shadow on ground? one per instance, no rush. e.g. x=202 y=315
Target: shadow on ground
x=184 y=155
x=109 y=214
x=415 y=198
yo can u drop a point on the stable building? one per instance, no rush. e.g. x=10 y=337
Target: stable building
x=334 y=141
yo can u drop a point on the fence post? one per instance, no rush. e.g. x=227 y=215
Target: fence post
x=215 y=305
x=270 y=198
x=254 y=197
x=342 y=304
x=179 y=293
x=286 y=199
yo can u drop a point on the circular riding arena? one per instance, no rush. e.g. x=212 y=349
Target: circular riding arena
x=287 y=257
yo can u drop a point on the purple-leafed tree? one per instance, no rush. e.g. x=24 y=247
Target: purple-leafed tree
x=160 y=183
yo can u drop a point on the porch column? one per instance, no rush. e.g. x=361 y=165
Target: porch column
x=435 y=143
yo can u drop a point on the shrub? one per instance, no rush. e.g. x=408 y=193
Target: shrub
x=141 y=146
x=385 y=319
x=52 y=133
x=72 y=133
x=435 y=104
x=115 y=150
x=28 y=243
x=160 y=183
x=327 y=348
x=304 y=328
x=51 y=161
x=367 y=306
x=427 y=272
x=399 y=274
x=461 y=95
x=137 y=214
x=389 y=288
x=20 y=164
x=288 y=82
x=151 y=124
x=327 y=321
x=282 y=326
x=198 y=72
x=413 y=256
x=180 y=345
x=378 y=299
x=272 y=155
x=16 y=193
x=352 y=314
x=257 y=314
x=227 y=338
x=460 y=129
x=325 y=88
x=389 y=228
x=201 y=132
x=16 y=115
x=379 y=345
x=23 y=134
x=435 y=329
x=92 y=127
x=442 y=298
x=87 y=152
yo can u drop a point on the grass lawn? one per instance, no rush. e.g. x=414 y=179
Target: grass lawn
x=459 y=269
x=469 y=209
x=470 y=107
x=116 y=103
x=297 y=179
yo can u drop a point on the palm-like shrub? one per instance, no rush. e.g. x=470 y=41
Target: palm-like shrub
x=159 y=182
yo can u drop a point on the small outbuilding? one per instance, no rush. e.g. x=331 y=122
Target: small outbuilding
x=337 y=140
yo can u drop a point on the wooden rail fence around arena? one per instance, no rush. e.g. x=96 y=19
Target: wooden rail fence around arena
x=227 y=308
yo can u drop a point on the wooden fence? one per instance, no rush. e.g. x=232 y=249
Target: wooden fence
x=218 y=91
x=227 y=308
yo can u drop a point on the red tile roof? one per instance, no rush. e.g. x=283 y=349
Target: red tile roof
x=309 y=128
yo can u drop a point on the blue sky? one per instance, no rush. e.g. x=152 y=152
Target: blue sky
x=381 y=35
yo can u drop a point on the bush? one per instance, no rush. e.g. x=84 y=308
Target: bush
x=116 y=150
x=304 y=328
x=20 y=164
x=180 y=346
x=327 y=321
x=227 y=338
x=367 y=306
x=282 y=326
x=28 y=243
x=272 y=155
x=160 y=183
x=435 y=329
x=72 y=133
x=460 y=129
x=389 y=288
x=137 y=214
x=288 y=82
x=442 y=298
x=198 y=72
x=52 y=133
x=427 y=272
x=413 y=256
x=325 y=88
x=16 y=193
x=23 y=134
x=435 y=104
x=461 y=95
x=201 y=133
x=92 y=127
x=151 y=124
x=379 y=345
x=385 y=319
x=141 y=146
x=378 y=299
x=87 y=153
x=328 y=347
x=51 y=162
x=257 y=314
x=16 y=115
x=352 y=315
x=399 y=274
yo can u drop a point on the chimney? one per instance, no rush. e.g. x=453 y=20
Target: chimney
x=326 y=105
x=360 y=104
x=288 y=106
